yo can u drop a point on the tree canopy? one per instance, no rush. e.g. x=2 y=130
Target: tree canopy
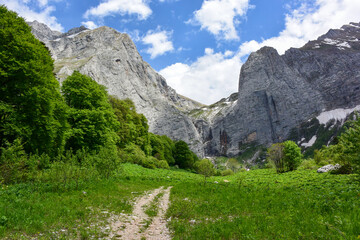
x=31 y=106
x=91 y=117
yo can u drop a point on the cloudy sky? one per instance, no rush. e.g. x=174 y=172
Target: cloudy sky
x=198 y=45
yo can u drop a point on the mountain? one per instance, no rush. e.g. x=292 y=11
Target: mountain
x=280 y=97
x=111 y=59
x=278 y=94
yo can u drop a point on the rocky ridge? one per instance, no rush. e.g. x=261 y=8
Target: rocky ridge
x=279 y=93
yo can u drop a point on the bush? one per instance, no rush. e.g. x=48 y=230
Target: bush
x=292 y=155
x=105 y=161
x=308 y=164
x=163 y=164
x=13 y=162
x=149 y=162
x=346 y=152
x=233 y=164
x=227 y=172
x=133 y=154
x=205 y=168
x=285 y=156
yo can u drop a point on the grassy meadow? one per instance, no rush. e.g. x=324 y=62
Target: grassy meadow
x=258 y=204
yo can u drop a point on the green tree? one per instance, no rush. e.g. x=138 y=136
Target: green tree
x=133 y=127
x=285 y=156
x=169 y=149
x=31 y=106
x=346 y=151
x=292 y=155
x=157 y=146
x=205 y=168
x=183 y=156
x=91 y=117
x=275 y=154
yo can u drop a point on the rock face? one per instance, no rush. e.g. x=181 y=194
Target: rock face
x=278 y=93
x=111 y=59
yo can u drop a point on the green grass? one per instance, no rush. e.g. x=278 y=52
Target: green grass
x=153 y=209
x=266 y=205
x=258 y=204
x=29 y=210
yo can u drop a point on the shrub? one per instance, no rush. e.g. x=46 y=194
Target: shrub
x=308 y=164
x=233 y=164
x=13 y=163
x=275 y=154
x=285 y=156
x=346 y=151
x=292 y=155
x=149 y=162
x=227 y=172
x=106 y=161
x=133 y=154
x=163 y=164
x=205 y=168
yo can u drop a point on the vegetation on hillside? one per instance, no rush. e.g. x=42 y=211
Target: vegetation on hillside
x=37 y=118
x=346 y=152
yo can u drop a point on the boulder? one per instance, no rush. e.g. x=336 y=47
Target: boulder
x=328 y=168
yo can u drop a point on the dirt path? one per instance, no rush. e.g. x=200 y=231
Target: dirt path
x=136 y=225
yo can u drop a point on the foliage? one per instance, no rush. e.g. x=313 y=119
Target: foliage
x=346 y=151
x=12 y=162
x=227 y=172
x=205 y=168
x=184 y=158
x=91 y=117
x=31 y=106
x=163 y=164
x=169 y=149
x=275 y=154
x=157 y=146
x=285 y=156
x=132 y=153
x=292 y=155
x=133 y=126
x=233 y=164
x=308 y=164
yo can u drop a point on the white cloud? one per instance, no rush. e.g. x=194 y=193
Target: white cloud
x=90 y=24
x=307 y=23
x=44 y=15
x=207 y=80
x=42 y=3
x=159 y=41
x=109 y=7
x=220 y=17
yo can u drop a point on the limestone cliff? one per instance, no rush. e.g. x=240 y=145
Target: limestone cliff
x=279 y=93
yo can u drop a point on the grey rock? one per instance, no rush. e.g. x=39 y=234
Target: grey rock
x=278 y=93
x=328 y=168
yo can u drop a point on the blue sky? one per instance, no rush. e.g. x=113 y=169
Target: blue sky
x=198 y=45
